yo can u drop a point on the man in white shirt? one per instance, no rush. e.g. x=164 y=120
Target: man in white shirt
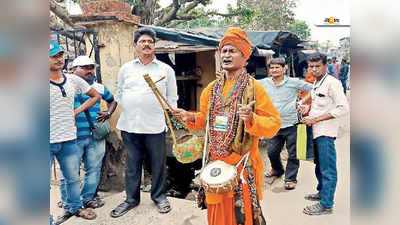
x=142 y=121
x=328 y=103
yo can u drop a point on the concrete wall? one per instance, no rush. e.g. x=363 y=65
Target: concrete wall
x=117 y=38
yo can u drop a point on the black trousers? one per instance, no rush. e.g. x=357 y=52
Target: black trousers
x=274 y=148
x=137 y=146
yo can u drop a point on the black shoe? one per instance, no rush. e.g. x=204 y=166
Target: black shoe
x=61 y=219
x=94 y=203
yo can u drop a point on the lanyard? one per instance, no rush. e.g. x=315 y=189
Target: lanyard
x=320 y=83
x=230 y=93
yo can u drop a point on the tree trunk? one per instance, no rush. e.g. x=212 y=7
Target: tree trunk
x=62 y=13
x=114 y=163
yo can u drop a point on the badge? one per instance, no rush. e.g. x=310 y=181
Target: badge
x=221 y=123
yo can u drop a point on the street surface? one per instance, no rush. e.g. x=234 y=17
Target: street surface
x=280 y=207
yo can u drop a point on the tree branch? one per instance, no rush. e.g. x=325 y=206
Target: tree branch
x=62 y=13
x=186 y=17
x=191 y=6
x=149 y=12
x=175 y=23
x=171 y=15
x=223 y=14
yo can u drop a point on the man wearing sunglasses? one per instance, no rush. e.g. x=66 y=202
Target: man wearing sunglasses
x=63 y=146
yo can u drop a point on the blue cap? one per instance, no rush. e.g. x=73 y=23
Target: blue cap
x=54 y=48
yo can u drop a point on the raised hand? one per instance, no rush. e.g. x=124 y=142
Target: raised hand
x=245 y=111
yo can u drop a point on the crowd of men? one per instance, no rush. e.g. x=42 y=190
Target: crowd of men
x=242 y=108
x=340 y=72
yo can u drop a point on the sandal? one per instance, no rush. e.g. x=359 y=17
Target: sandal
x=317 y=209
x=86 y=214
x=122 y=209
x=313 y=197
x=94 y=203
x=272 y=173
x=61 y=219
x=164 y=206
x=290 y=185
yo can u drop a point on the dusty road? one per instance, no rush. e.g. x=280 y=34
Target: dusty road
x=280 y=207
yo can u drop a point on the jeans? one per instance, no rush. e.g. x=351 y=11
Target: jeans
x=69 y=160
x=274 y=148
x=137 y=145
x=91 y=152
x=325 y=169
x=344 y=85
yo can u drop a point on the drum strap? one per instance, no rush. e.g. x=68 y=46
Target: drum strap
x=205 y=152
x=245 y=158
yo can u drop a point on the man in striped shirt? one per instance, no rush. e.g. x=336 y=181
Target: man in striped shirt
x=63 y=145
x=91 y=151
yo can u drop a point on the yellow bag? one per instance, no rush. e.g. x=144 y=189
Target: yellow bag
x=188 y=148
x=304 y=145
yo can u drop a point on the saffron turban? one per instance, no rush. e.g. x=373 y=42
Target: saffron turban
x=237 y=37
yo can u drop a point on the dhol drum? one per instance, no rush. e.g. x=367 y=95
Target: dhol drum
x=218 y=177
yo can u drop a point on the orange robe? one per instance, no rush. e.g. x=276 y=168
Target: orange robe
x=265 y=123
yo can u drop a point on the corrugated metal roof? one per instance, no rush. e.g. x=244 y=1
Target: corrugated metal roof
x=164 y=46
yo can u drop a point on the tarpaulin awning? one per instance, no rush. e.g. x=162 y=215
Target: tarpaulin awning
x=211 y=36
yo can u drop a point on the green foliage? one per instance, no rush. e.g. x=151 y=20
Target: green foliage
x=263 y=15
x=130 y=2
x=211 y=18
x=301 y=29
x=202 y=19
